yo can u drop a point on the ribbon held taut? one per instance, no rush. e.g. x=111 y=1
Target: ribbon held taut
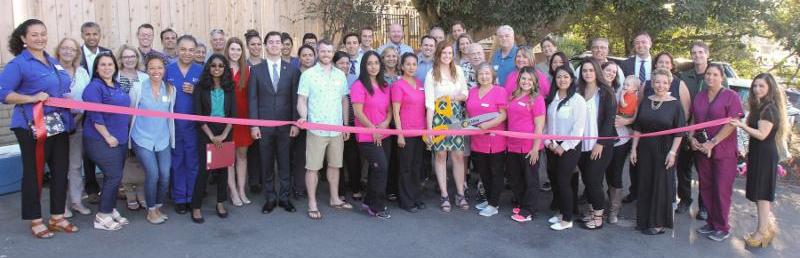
x=89 y=106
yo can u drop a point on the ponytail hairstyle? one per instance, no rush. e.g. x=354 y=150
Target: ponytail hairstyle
x=15 y=44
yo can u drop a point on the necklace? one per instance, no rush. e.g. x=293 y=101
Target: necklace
x=655 y=106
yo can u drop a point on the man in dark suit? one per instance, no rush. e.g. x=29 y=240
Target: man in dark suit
x=272 y=91
x=90 y=33
x=641 y=64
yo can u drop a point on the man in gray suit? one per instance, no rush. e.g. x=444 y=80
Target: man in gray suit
x=272 y=94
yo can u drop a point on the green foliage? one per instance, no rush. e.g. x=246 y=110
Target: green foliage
x=340 y=16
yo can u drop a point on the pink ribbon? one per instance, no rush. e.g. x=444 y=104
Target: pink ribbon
x=89 y=106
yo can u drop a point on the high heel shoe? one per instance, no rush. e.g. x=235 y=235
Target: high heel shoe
x=762 y=242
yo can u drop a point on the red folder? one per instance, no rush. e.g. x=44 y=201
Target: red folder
x=220 y=157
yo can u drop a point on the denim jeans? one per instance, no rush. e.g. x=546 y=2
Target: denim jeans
x=156 y=166
x=111 y=161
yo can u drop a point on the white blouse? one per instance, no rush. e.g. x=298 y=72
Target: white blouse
x=590 y=130
x=569 y=120
x=434 y=90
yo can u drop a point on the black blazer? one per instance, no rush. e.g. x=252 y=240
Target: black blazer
x=202 y=107
x=629 y=65
x=606 y=114
x=100 y=49
x=264 y=102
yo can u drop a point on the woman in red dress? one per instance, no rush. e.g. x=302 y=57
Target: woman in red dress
x=234 y=51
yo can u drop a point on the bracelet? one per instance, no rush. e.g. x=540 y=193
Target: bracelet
x=671 y=153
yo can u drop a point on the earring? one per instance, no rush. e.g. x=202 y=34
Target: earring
x=24 y=45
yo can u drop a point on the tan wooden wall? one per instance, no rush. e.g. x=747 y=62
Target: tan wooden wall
x=119 y=19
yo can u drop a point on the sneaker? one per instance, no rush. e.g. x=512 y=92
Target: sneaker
x=555 y=219
x=481 y=206
x=520 y=218
x=488 y=211
x=383 y=215
x=706 y=229
x=719 y=235
x=515 y=210
x=546 y=187
x=67 y=213
x=561 y=226
x=701 y=215
x=80 y=208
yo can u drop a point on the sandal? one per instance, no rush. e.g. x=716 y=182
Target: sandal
x=315 y=215
x=133 y=206
x=445 y=204
x=461 y=201
x=118 y=218
x=44 y=234
x=58 y=225
x=342 y=206
x=106 y=223
x=596 y=222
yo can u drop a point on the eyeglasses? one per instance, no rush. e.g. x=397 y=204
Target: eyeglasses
x=68 y=49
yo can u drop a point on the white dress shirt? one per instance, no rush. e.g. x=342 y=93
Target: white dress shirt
x=569 y=120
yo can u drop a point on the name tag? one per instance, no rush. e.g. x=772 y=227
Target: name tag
x=522 y=103
x=59 y=67
x=486 y=105
x=164 y=99
x=496 y=67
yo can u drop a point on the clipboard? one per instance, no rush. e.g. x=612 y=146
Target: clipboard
x=217 y=158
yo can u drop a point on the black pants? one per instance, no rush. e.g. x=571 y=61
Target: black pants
x=352 y=163
x=56 y=155
x=90 y=183
x=275 y=146
x=562 y=168
x=683 y=165
x=394 y=167
x=524 y=181
x=409 y=173
x=298 y=162
x=593 y=173
x=490 y=167
x=254 y=176
x=377 y=158
x=220 y=175
x=614 y=171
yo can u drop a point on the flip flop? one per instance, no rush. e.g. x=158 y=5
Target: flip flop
x=342 y=206
x=315 y=215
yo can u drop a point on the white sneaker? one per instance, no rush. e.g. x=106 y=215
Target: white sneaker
x=561 y=226
x=67 y=213
x=488 y=211
x=481 y=206
x=555 y=219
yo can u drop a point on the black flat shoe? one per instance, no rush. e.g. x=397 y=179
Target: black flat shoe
x=287 y=206
x=181 y=208
x=653 y=231
x=421 y=205
x=221 y=214
x=199 y=220
x=268 y=207
x=412 y=209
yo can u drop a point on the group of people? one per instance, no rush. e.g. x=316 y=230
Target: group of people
x=446 y=84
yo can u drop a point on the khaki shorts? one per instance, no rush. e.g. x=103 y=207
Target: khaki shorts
x=320 y=148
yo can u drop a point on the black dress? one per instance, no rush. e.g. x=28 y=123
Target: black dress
x=762 y=157
x=656 y=183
